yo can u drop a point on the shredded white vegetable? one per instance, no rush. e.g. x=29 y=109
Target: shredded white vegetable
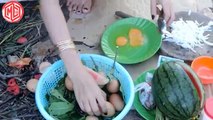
x=190 y=34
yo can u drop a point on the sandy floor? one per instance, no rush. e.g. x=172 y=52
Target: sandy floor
x=102 y=15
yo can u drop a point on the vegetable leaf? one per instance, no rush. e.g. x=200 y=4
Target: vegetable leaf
x=58 y=95
x=60 y=108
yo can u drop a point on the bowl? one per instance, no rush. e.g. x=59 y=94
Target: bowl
x=203 y=66
x=51 y=77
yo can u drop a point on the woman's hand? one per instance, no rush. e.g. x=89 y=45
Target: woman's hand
x=169 y=14
x=167 y=7
x=88 y=94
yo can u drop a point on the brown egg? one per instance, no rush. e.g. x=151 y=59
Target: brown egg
x=110 y=110
x=31 y=85
x=43 y=66
x=113 y=86
x=68 y=83
x=117 y=102
x=91 y=118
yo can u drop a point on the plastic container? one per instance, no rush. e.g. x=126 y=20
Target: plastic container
x=54 y=73
x=207 y=113
x=203 y=66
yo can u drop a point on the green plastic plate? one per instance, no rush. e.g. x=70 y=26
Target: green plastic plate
x=128 y=54
x=146 y=114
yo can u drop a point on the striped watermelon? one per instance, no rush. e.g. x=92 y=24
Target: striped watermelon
x=177 y=91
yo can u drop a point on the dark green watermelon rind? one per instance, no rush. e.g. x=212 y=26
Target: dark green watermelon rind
x=192 y=100
x=169 y=96
x=199 y=85
x=162 y=101
x=198 y=82
x=161 y=106
x=178 y=86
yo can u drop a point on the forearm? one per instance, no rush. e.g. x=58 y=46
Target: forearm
x=54 y=20
x=58 y=31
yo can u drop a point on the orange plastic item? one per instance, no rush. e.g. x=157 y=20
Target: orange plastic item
x=203 y=66
x=135 y=37
x=121 y=41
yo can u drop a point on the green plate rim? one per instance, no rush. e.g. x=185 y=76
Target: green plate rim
x=128 y=19
x=136 y=97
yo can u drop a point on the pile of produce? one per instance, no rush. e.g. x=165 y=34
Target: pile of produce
x=177 y=91
x=63 y=104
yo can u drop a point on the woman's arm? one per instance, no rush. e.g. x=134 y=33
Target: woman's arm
x=58 y=31
x=87 y=92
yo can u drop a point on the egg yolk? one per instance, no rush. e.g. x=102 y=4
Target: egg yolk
x=136 y=38
x=121 y=41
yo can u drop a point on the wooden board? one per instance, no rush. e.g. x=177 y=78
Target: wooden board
x=171 y=49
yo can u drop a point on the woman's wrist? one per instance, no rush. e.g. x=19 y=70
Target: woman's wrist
x=72 y=61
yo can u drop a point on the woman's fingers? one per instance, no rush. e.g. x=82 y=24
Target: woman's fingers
x=87 y=107
x=81 y=106
x=79 y=9
x=74 y=8
x=94 y=107
x=169 y=14
x=102 y=104
x=69 y=2
x=153 y=8
x=103 y=94
x=171 y=19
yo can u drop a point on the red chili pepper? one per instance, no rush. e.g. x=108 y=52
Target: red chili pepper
x=15 y=90
x=13 y=87
x=11 y=82
x=22 y=40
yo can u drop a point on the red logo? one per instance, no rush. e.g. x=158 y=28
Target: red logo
x=12 y=11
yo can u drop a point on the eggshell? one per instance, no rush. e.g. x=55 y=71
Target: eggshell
x=117 y=102
x=113 y=86
x=91 y=118
x=110 y=110
x=31 y=85
x=43 y=66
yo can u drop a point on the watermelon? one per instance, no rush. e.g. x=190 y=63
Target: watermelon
x=177 y=91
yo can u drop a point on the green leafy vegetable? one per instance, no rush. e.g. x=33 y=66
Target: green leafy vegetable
x=57 y=95
x=60 y=108
x=63 y=104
